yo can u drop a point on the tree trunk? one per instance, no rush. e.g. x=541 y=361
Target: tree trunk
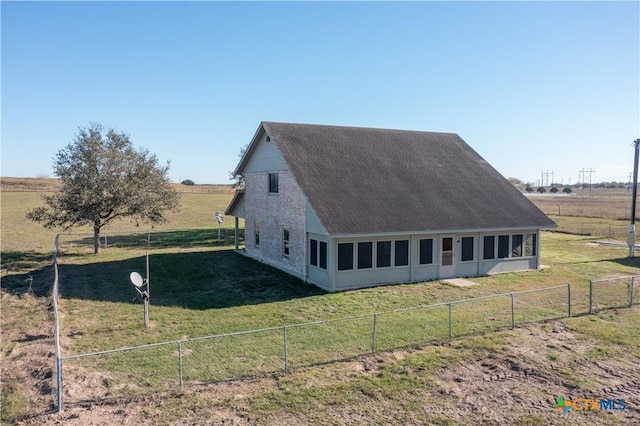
x=96 y=238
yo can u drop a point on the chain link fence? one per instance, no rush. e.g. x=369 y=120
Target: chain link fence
x=609 y=231
x=255 y=353
x=618 y=292
x=171 y=365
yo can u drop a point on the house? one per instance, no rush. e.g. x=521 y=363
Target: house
x=349 y=207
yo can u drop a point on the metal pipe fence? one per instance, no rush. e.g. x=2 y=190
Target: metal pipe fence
x=171 y=365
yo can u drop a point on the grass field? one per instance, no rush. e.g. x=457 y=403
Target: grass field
x=200 y=287
x=603 y=213
x=597 y=202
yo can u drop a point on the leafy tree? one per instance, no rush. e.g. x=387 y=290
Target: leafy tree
x=105 y=178
x=529 y=189
x=554 y=189
x=567 y=190
x=515 y=181
x=541 y=189
x=188 y=182
x=239 y=177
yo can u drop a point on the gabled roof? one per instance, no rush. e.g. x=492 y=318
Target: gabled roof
x=364 y=180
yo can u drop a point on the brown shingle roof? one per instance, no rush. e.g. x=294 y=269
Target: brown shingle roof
x=363 y=180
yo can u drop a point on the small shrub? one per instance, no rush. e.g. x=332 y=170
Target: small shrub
x=541 y=189
x=554 y=189
x=567 y=190
x=188 y=182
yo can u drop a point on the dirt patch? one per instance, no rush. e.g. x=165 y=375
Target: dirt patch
x=526 y=381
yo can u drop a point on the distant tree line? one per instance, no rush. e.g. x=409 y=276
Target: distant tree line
x=611 y=184
x=553 y=189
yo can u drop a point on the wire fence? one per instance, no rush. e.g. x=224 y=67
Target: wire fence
x=172 y=365
x=612 y=232
x=618 y=292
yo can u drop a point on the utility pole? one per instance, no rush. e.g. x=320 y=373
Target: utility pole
x=584 y=172
x=632 y=227
x=581 y=182
x=545 y=178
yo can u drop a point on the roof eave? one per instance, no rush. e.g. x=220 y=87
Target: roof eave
x=440 y=232
x=249 y=151
x=234 y=202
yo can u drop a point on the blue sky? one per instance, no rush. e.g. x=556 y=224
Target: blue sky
x=533 y=86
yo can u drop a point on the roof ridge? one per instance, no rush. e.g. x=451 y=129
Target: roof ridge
x=336 y=126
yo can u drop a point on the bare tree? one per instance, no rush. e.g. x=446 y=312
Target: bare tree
x=105 y=178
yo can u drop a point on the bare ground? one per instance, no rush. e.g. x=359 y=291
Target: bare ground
x=517 y=384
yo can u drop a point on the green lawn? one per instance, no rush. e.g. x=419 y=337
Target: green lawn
x=200 y=287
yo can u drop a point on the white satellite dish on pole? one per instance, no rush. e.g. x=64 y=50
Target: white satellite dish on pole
x=136 y=279
x=219 y=217
x=139 y=282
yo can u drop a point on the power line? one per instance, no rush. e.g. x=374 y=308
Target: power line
x=584 y=173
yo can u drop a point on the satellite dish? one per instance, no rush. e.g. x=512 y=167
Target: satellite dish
x=219 y=217
x=136 y=279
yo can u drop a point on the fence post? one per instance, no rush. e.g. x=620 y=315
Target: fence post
x=450 y=316
x=373 y=334
x=631 y=293
x=180 y=363
x=590 y=297
x=59 y=380
x=56 y=325
x=286 y=353
x=513 y=313
x=569 y=299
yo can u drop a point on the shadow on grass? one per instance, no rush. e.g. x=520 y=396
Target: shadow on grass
x=37 y=281
x=180 y=238
x=628 y=261
x=21 y=260
x=201 y=280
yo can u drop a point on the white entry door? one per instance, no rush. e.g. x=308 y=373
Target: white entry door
x=447 y=257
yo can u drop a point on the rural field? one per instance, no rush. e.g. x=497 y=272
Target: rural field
x=599 y=211
x=199 y=287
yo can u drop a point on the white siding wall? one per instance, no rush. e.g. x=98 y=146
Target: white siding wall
x=313 y=223
x=415 y=272
x=265 y=158
x=315 y=274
